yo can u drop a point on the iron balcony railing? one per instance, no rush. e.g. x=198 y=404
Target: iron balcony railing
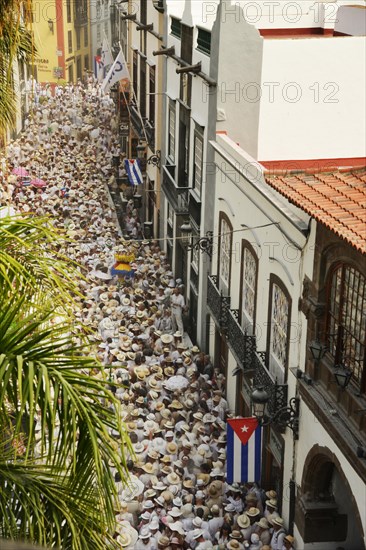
x=150 y=134
x=218 y=304
x=263 y=378
x=136 y=121
x=159 y=5
x=177 y=196
x=242 y=345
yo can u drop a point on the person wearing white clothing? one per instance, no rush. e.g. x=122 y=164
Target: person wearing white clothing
x=177 y=307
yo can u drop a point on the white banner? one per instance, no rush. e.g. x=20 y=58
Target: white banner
x=117 y=72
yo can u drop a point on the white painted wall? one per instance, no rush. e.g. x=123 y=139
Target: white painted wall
x=254 y=206
x=312 y=433
x=240 y=63
x=290 y=98
x=351 y=20
x=318 y=104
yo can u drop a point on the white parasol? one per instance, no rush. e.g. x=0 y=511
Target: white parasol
x=176 y=382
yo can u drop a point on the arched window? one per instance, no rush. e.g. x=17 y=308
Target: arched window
x=346 y=320
x=279 y=329
x=225 y=245
x=249 y=270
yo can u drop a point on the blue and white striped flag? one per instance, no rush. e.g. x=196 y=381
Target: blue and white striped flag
x=133 y=170
x=244 y=450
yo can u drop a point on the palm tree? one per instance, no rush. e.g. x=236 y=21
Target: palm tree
x=16 y=44
x=56 y=485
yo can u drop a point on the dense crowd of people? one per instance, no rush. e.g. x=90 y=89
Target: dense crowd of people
x=173 y=399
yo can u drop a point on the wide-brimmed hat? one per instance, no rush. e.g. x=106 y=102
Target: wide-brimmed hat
x=169 y=371
x=175 y=404
x=139 y=447
x=197 y=533
x=167 y=338
x=124 y=539
x=175 y=512
x=148 y=468
x=172 y=448
x=173 y=478
x=271 y=494
x=263 y=523
x=289 y=538
x=233 y=544
x=188 y=484
x=163 y=541
x=252 y=512
x=272 y=503
x=277 y=521
x=243 y=521
x=213 y=490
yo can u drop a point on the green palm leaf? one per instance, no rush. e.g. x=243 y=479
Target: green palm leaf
x=56 y=485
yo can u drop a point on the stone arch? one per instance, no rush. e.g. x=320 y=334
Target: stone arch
x=321 y=515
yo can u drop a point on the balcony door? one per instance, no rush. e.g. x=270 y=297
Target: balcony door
x=221 y=352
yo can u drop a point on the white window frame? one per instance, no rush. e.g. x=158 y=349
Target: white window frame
x=198 y=148
x=171 y=129
x=277 y=365
x=247 y=321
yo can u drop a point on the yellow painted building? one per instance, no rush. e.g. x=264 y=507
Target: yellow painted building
x=61 y=30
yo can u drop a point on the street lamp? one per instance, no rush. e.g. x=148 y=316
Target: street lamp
x=317 y=350
x=186 y=234
x=287 y=417
x=204 y=244
x=343 y=376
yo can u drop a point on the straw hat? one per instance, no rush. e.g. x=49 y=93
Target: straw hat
x=277 y=521
x=233 y=545
x=175 y=404
x=243 y=521
x=172 y=448
x=272 y=503
x=167 y=338
x=124 y=539
x=148 y=468
x=173 y=478
x=263 y=523
x=252 y=512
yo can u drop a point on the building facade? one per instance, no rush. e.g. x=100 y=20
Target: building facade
x=288 y=268
x=101 y=15
x=61 y=31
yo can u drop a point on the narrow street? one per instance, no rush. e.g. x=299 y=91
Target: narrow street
x=132 y=310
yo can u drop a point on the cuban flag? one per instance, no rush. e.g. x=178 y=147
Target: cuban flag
x=244 y=450
x=133 y=170
x=98 y=67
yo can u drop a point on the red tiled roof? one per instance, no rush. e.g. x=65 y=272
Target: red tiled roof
x=336 y=199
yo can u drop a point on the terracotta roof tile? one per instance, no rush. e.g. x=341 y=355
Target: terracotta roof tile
x=336 y=199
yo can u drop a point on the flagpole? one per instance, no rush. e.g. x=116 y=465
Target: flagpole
x=137 y=106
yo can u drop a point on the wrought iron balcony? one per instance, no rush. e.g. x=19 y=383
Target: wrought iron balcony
x=218 y=305
x=177 y=196
x=242 y=345
x=136 y=121
x=150 y=134
x=263 y=378
x=159 y=5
